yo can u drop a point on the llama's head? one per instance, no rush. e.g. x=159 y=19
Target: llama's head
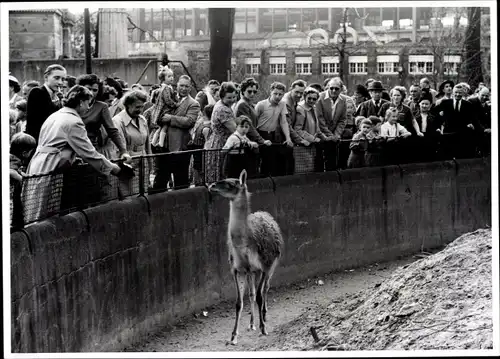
x=230 y=187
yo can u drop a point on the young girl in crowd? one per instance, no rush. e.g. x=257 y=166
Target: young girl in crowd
x=373 y=154
x=235 y=148
x=394 y=131
x=359 y=145
x=166 y=103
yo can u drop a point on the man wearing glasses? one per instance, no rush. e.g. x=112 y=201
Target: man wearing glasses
x=332 y=111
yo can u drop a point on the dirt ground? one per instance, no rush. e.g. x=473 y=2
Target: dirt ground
x=439 y=301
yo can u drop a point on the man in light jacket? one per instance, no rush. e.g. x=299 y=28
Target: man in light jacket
x=332 y=112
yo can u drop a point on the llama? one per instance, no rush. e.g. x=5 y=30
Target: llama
x=254 y=244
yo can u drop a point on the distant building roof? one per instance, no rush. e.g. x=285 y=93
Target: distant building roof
x=37 y=10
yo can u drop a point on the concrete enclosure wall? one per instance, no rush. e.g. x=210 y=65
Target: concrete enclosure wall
x=94 y=280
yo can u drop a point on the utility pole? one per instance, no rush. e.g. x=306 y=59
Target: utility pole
x=88 y=50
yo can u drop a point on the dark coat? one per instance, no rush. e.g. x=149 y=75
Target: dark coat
x=39 y=108
x=457 y=121
x=483 y=113
x=367 y=108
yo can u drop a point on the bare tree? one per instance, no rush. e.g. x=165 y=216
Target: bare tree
x=473 y=62
x=343 y=47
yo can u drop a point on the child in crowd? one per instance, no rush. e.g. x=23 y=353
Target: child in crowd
x=391 y=128
x=373 y=154
x=393 y=132
x=235 y=148
x=12 y=122
x=199 y=135
x=22 y=147
x=21 y=107
x=166 y=103
x=359 y=145
x=357 y=123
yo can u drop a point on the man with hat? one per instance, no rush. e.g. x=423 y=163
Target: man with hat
x=14 y=88
x=372 y=106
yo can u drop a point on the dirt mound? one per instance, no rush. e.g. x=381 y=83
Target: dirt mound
x=439 y=302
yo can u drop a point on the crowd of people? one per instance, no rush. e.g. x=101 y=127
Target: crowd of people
x=69 y=120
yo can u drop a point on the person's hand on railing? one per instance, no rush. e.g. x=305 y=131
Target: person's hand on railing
x=487 y=130
x=254 y=145
x=471 y=126
x=126 y=158
x=439 y=131
x=317 y=139
x=267 y=143
x=420 y=134
x=305 y=143
x=406 y=135
x=123 y=171
x=288 y=142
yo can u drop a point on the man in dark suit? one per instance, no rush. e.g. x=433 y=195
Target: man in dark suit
x=177 y=139
x=459 y=124
x=43 y=101
x=331 y=110
x=372 y=107
x=482 y=108
x=291 y=100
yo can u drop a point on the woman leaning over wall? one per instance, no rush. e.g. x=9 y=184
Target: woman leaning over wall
x=62 y=137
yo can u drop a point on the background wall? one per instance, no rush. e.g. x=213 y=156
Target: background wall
x=128 y=69
x=94 y=281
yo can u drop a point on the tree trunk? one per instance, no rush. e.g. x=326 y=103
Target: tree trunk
x=474 y=68
x=342 y=57
x=221 y=22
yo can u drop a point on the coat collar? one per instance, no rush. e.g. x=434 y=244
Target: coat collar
x=69 y=110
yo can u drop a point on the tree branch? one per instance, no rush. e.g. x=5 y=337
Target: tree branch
x=144 y=31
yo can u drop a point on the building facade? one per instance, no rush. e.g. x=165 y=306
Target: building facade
x=40 y=34
x=396 y=45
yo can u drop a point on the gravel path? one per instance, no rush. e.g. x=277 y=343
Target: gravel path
x=286 y=305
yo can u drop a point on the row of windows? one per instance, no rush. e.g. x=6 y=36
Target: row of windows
x=332 y=68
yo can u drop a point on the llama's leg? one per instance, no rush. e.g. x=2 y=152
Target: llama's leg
x=240 y=280
x=251 y=297
x=260 y=302
x=264 y=298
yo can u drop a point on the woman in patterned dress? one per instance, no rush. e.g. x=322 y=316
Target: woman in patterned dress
x=223 y=125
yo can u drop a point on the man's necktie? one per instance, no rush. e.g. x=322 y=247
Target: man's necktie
x=456 y=106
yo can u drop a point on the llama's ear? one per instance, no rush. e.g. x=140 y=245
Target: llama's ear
x=243 y=177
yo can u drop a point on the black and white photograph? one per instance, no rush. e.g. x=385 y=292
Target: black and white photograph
x=268 y=179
